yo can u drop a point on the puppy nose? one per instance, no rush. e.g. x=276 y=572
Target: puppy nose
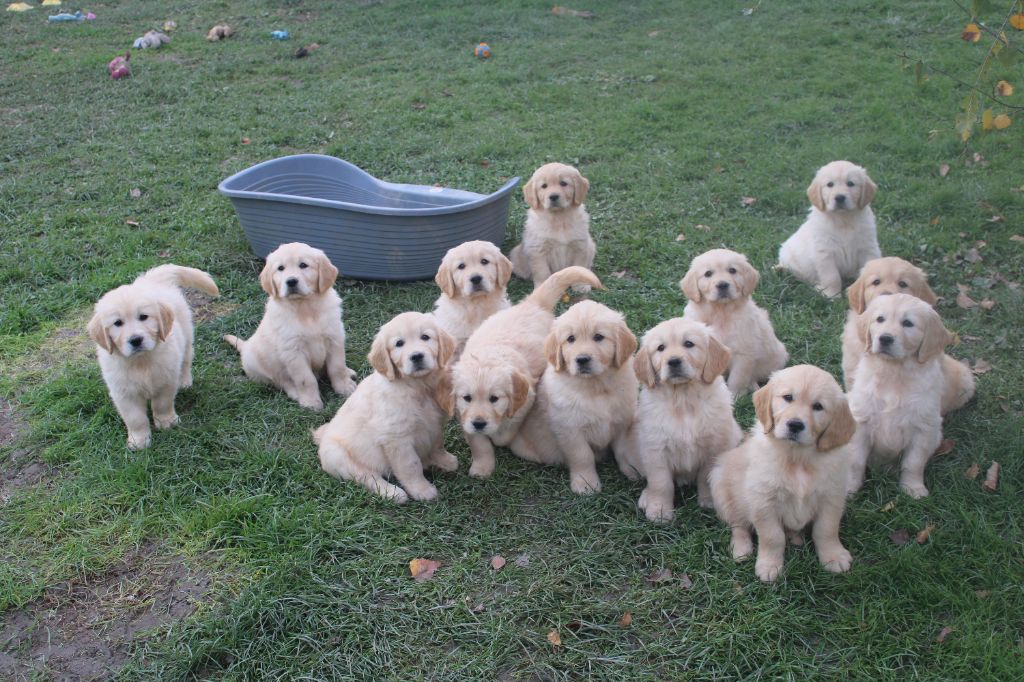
x=479 y=424
x=476 y=279
x=416 y=357
x=675 y=362
x=292 y=281
x=795 y=426
x=582 y=360
x=840 y=198
x=135 y=341
x=554 y=198
x=886 y=339
x=722 y=286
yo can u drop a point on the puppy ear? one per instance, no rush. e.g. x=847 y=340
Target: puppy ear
x=625 y=345
x=925 y=293
x=840 y=430
x=445 y=347
x=750 y=278
x=689 y=286
x=530 y=194
x=520 y=393
x=98 y=333
x=855 y=294
x=444 y=395
x=165 y=321
x=936 y=338
x=867 y=193
x=445 y=279
x=504 y=266
x=553 y=351
x=267 y=279
x=763 y=407
x=643 y=367
x=717 y=361
x=580 y=188
x=380 y=359
x=864 y=331
x=814 y=194
x=326 y=273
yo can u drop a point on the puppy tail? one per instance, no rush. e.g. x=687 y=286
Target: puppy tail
x=181 y=276
x=548 y=292
x=234 y=342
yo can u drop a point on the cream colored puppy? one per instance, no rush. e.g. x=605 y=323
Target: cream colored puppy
x=301 y=333
x=719 y=285
x=143 y=334
x=557 y=230
x=684 y=419
x=884 y=276
x=839 y=235
x=790 y=472
x=495 y=379
x=393 y=424
x=586 y=397
x=898 y=387
x=472 y=278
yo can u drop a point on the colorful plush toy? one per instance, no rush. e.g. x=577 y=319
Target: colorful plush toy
x=482 y=51
x=279 y=35
x=19 y=7
x=118 y=66
x=150 y=40
x=64 y=16
x=170 y=26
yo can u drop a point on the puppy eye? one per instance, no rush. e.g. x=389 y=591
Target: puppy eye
x=280 y=268
x=563 y=183
x=817 y=407
x=687 y=344
x=571 y=339
x=903 y=285
x=732 y=271
x=399 y=343
x=462 y=266
x=484 y=261
x=849 y=183
x=708 y=273
x=598 y=337
x=424 y=337
x=876 y=282
x=908 y=323
x=468 y=398
x=143 y=317
x=118 y=323
x=788 y=397
x=493 y=398
x=661 y=348
x=544 y=186
x=831 y=184
x=880 y=319
x=302 y=266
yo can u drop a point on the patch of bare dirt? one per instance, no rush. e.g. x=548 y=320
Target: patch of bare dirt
x=19 y=467
x=85 y=630
x=205 y=308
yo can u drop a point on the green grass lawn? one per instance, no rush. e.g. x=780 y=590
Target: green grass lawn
x=675 y=111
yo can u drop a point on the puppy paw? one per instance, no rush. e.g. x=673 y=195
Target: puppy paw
x=742 y=548
x=311 y=404
x=185 y=381
x=481 y=469
x=795 y=539
x=394 y=494
x=139 y=441
x=705 y=501
x=345 y=387
x=444 y=460
x=838 y=561
x=767 y=570
x=915 y=490
x=165 y=422
x=424 y=493
x=585 y=484
x=830 y=291
x=655 y=510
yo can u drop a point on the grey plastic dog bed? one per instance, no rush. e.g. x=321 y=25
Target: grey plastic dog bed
x=370 y=229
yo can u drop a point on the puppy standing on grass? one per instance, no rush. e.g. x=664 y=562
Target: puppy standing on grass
x=301 y=333
x=496 y=376
x=791 y=472
x=898 y=388
x=839 y=235
x=684 y=418
x=884 y=276
x=394 y=422
x=719 y=285
x=586 y=397
x=557 y=231
x=143 y=334
x=472 y=278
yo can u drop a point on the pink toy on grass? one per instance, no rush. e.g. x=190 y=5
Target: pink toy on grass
x=118 y=66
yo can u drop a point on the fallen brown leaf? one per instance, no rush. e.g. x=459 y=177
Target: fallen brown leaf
x=943 y=170
x=566 y=12
x=702 y=228
x=981 y=367
x=935 y=220
x=972 y=256
x=981 y=594
x=626 y=620
x=133 y=223
x=680 y=237
x=987 y=304
x=962 y=299
x=943 y=634
x=991 y=482
x=164 y=254
x=924 y=534
x=945 y=447
x=1017 y=238
x=497 y=562
x=685 y=582
x=971 y=33
x=522 y=561
x=423 y=569
x=419 y=106
x=900 y=537
x=659 y=576
x=748 y=201
x=555 y=638
x=478 y=608
x=972 y=471
x=996 y=219
x=889 y=506
x=573 y=625
x=245 y=140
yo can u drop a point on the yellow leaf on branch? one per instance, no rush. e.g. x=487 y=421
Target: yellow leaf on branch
x=972 y=33
x=1017 y=21
x=986 y=120
x=1004 y=89
x=1001 y=121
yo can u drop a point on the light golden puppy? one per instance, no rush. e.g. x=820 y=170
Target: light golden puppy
x=684 y=419
x=839 y=235
x=301 y=333
x=143 y=334
x=495 y=379
x=586 y=397
x=719 y=285
x=393 y=424
x=557 y=230
x=472 y=278
x=884 y=276
x=898 y=387
x=791 y=472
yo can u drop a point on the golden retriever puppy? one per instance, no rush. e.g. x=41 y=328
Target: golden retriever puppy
x=898 y=388
x=472 y=278
x=143 y=334
x=586 y=397
x=557 y=230
x=301 y=333
x=791 y=472
x=495 y=379
x=684 y=419
x=891 y=275
x=839 y=235
x=719 y=285
x=393 y=424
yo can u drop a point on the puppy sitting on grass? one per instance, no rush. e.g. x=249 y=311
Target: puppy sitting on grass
x=143 y=334
x=394 y=422
x=472 y=278
x=301 y=333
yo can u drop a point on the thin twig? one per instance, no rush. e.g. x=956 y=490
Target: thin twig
x=975 y=88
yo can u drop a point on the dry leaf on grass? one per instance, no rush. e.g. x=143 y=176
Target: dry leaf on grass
x=626 y=620
x=944 y=633
x=566 y=12
x=748 y=201
x=991 y=482
x=133 y=223
x=981 y=594
x=962 y=299
x=522 y=561
x=972 y=471
x=971 y=33
x=702 y=228
x=981 y=367
x=680 y=237
x=996 y=219
x=1001 y=121
x=555 y=638
x=889 y=506
x=659 y=576
x=164 y=254
x=1017 y=238
x=900 y=537
x=419 y=106
x=685 y=582
x=1004 y=89
x=945 y=447
x=423 y=569
x=245 y=140
x=1017 y=21
x=972 y=256
x=497 y=562
x=924 y=534
x=943 y=170
x=987 y=304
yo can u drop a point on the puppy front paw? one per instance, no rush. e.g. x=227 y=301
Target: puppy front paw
x=915 y=490
x=139 y=441
x=315 y=404
x=186 y=381
x=837 y=561
x=166 y=422
x=767 y=570
x=481 y=469
x=424 y=493
x=655 y=510
x=444 y=460
x=346 y=386
x=830 y=291
x=742 y=546
x=705 y=500
x=584 y=484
